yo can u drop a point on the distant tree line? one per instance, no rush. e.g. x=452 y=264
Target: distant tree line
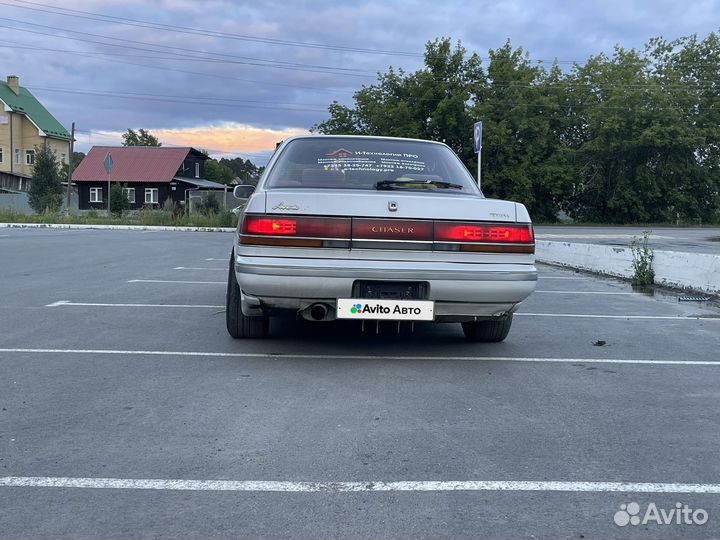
x=628 y=138
x=226 y=171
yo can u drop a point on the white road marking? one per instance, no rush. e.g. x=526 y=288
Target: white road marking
x=58 y=303
x=633 y=317
x=211 y=259
x=597 y=236
x=62 y=303
x=196 y=268
x=175 y=281
x=561 y=277
x=352 y=487
x=288 y=356
x=585 y=292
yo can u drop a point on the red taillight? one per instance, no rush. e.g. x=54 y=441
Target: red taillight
x=307 y=231
x=486 y=232
x=274 y=227
x=299 y=227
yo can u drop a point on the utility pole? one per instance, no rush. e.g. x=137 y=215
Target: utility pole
x=70 y=166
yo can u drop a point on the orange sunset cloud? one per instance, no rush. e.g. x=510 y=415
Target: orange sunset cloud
x=225 y=138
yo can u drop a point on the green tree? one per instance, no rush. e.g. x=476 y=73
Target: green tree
x=431 y=103
x=119 y=202
x=77 y=158
x=139 y=138
x=46 y=192
x=522 y=116
x=218 y=172
x=625 y=138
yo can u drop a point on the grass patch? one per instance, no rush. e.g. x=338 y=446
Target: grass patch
x=147 y=217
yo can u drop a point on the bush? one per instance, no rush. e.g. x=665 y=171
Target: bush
x=119 y=203
x=643 y=256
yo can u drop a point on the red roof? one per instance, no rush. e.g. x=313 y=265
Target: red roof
x=132 y=164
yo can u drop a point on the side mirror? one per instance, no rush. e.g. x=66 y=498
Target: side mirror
x=243 y=191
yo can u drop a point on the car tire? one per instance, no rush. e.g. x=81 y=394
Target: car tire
x=488 y=331
x=239 y=325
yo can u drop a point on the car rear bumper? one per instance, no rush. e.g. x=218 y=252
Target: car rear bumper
x=461 y=291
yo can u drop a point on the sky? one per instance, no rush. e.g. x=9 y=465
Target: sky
x=235 y=77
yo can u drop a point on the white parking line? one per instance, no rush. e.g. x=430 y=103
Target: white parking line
x=61 y=303
x=352 y=487
x=560 y=277
x=175 y=281
x=623 y=317
x=64 y=303
x=286 y=356
x=196 y=268
x=586 y=292
x=211 y=259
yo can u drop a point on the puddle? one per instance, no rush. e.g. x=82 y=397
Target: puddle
x=647 y=290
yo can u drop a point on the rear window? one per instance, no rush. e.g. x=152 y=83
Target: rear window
x=370 y=164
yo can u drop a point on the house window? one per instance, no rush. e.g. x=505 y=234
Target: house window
x=95 y=194
x=129 y=194
x=63 y=157
x=197 y=170
x=1 y=154
x=30 y=157
x=151 y=195
x=17 y=156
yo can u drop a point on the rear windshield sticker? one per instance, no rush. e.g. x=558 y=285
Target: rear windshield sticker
x=345 y=160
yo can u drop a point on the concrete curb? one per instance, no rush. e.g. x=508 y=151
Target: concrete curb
x=695 y=271
x=114 y=227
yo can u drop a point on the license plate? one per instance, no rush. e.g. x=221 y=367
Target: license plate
x=391 y=310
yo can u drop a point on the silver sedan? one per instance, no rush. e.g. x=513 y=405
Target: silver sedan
x=377 y=228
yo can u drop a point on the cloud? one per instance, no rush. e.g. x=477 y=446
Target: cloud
x=219 y=140
x=190 y=85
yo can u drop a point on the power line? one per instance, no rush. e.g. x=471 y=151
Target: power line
x=197 y=31
x=164 y=68
x=230 y=59
x=162 y=99
x=166 y=96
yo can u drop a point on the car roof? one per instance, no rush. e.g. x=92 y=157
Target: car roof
x=374 y=137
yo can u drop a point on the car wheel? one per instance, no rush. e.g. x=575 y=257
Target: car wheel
x=238 y=324
x=488 y=331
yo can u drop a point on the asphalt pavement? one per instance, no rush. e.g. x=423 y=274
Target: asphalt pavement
x=127 y=411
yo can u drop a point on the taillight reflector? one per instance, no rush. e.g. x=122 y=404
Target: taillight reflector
x=271 y=226
x=297 y=226
x=489 y=233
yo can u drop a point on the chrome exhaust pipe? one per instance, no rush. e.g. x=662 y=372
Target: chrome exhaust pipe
x=318 y=312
